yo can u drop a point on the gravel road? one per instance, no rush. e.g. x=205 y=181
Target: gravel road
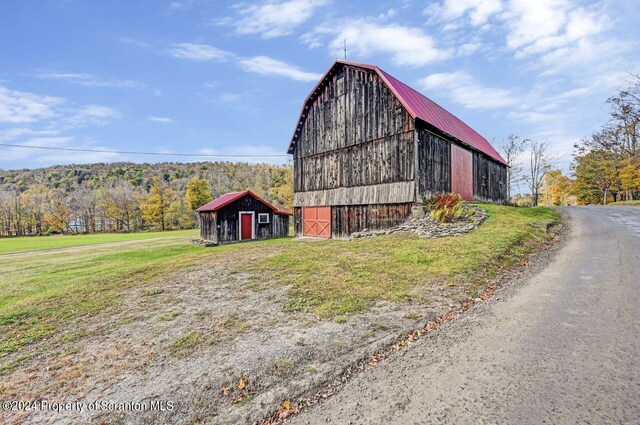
x=561 y=347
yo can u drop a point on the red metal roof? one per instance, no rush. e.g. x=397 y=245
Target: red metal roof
x=418 y=106
x=228 y=198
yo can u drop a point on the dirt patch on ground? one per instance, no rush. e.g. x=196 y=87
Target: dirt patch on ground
x=212 y=345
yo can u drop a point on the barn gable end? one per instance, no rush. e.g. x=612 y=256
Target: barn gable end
x=369 y=147
x=355 y=144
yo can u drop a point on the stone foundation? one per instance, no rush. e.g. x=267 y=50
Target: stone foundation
x=424 y=226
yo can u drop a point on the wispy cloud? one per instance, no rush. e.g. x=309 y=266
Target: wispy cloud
x=367 y=37
x=269 y=66
x=273 y=18
x=181 y=5
x=23 y=107
x=477 y=11
x=199 y=52
x=462 y=88
x=46 y=156
x=134 y=42
x=160 y=119
x=88 y=80
x=91 y=115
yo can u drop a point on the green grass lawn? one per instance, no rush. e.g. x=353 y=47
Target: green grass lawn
x=337 y=277
x=40 y=243
x=628 y=203
x=42 y=294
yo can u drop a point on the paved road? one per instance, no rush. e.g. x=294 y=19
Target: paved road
x=562 y=347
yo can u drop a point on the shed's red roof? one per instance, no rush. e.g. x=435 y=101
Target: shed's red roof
x=418 y=106
x=228 y=198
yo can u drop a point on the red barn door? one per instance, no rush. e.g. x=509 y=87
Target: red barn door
x=316 y=221
x=462 y=172
x=246 y=226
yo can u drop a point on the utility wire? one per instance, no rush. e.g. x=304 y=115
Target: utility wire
x=146 y=153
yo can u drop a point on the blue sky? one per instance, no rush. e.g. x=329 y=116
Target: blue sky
x=214 y=77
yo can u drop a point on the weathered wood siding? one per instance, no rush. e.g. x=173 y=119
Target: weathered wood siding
x=489 y=179
x=208 y=226
x=385 y=193
x=356 y=133
x=297 y=221
x=433 y=166
x=223 y=226
x=346 y=219
x=280 y=227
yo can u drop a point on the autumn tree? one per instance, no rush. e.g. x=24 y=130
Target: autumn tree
x=155 y=205
x=513 y=147
x=198 y=193
x=595 y=176
x=557 y=188
x=540 y=163
x=34 y=202
x=85 y=207
x=121 y=203
x=58 y=212
x=7 y=212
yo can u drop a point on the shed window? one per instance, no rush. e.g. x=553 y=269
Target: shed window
x=263 y=218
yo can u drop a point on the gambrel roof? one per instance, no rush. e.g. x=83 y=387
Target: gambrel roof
x=417 y=105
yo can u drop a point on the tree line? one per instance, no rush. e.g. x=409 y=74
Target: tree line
x=605 y=166
x=126 y=197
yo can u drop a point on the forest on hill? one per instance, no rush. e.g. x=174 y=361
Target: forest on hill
x=127 y=196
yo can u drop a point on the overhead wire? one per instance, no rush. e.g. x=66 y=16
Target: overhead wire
x=57 y=148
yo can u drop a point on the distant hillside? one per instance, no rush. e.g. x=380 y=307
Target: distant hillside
x=31 y=199
x=223 y=176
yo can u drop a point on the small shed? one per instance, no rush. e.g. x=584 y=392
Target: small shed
x=241 y=216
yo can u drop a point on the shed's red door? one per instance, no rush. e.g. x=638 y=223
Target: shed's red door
x=316 y=221
x=246 y=226
x=462 y=172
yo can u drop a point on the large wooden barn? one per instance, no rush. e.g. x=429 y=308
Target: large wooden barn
x=241 y=216
x=367 y=148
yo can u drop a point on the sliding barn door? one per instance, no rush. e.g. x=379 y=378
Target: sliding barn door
x=462 y=172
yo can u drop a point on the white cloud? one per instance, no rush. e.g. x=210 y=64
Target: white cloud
x=87 y=80
x=13 y=153
x=51 y=156
x=269 y=66
x=91 y=115
x=180 y=5
x=199 y=52
x=543 y=25
x=160 y=119
x=273 y=18
x=135 y=42
x=478 y=11
x=15 y=133
x=407 y=45
x=24 y=107
x=462 y=88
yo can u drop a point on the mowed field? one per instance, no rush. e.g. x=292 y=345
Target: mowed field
x=40 y=291
x=61 y=297
x=42 y=243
